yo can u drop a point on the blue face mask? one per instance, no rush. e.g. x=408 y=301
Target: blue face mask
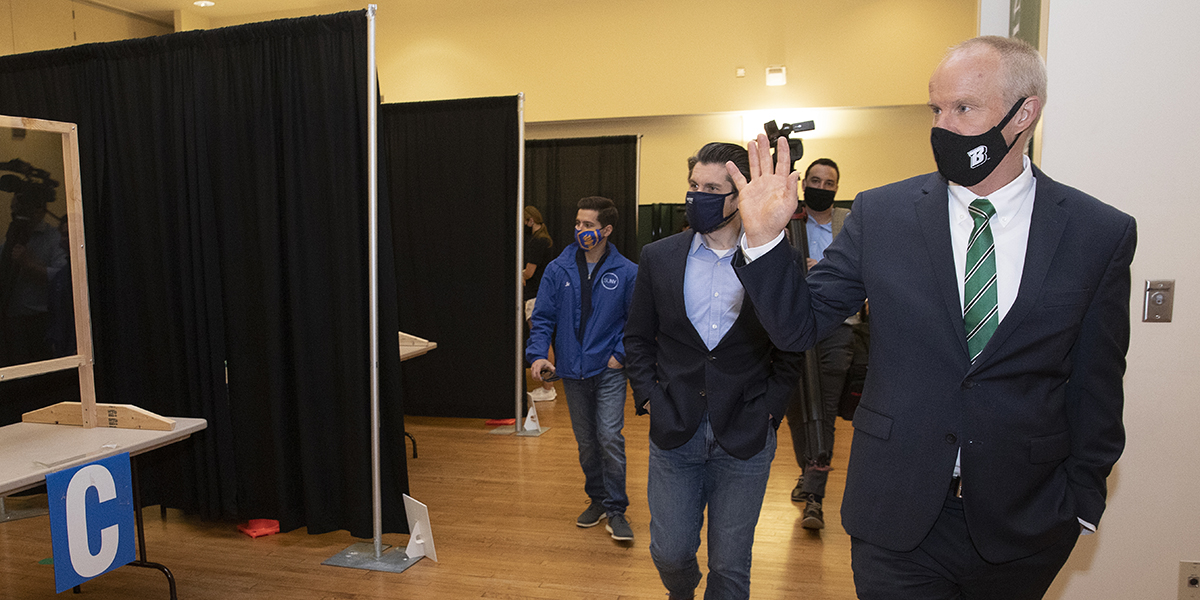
x=588 y=238
x=706 y=212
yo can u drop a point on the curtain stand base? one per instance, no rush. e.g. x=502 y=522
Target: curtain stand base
x=511 y=429
x=362 y=556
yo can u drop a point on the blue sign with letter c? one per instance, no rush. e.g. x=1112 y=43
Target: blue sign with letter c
x=91 y=520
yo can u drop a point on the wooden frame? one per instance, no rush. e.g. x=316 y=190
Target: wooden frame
x=82 y=359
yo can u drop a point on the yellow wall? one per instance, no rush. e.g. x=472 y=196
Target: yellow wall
x=664 y=70
x=33 y=25
x=97 y=24
x=186 y=20
x=39 y=25
x=6 y=33
x=637 y=58
x=872 y=146
x=632 y=58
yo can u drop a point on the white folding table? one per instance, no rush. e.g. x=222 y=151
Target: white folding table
x=29 y=451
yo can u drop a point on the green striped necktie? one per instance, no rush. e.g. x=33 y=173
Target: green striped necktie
x=979 y=290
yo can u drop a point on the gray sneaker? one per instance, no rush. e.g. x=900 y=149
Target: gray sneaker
x=618 y=526
x=591 y=517
x=814 y=517
x=798 y=493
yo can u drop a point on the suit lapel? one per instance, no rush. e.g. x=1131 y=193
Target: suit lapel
x=1046 y=225
x=676 y=260
x=933 y=218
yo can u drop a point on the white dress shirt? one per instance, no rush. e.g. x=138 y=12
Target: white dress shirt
x=1010 y=233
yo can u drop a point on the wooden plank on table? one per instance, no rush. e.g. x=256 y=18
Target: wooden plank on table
x=117 y=416
x=412 y=346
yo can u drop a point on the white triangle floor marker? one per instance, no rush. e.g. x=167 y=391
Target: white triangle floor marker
x=531 y=419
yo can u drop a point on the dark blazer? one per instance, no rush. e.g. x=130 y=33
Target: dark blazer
x=1038 y=416
x=744 y=382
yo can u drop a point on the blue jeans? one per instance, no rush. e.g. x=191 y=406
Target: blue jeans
x=682 y=481
x=597 y=406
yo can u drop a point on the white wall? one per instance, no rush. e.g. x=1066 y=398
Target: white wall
x=993 y=17
x=1122 y=124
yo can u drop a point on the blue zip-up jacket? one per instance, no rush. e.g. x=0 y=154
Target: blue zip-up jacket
x=557 y=310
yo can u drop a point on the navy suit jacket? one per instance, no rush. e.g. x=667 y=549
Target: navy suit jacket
x=743 y=383
x=1037 y=416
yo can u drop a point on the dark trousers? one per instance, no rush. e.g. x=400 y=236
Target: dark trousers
x=835 y=353
x=946 y=566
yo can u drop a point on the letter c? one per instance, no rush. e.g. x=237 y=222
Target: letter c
x=85 y=563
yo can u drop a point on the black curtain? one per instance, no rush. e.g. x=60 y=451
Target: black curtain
x=558 y=172
x=225 y=196
x=657 y=221
x=452 y=169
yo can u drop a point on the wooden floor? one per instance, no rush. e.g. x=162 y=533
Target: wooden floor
x=503 y=514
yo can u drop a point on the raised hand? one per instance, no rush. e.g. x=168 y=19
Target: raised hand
x=768 y=201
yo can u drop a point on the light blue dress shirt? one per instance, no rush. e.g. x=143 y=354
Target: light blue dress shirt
x=712 y=293
x=819 y=237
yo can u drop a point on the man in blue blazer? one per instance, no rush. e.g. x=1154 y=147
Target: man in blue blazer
x=716 y=389
x=984 y=437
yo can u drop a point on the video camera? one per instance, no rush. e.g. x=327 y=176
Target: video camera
x=795 y=145
x=32 y=189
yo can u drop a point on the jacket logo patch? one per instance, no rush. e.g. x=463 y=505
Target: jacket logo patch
x=609 y=281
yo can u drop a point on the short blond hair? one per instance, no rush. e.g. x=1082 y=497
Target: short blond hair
x=1024 y=68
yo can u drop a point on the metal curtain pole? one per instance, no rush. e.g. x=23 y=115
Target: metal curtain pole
x=520 y=269
x=361 y=555
x=373 y=275
x=637 y=184
x=520 y=424
x=520 y=362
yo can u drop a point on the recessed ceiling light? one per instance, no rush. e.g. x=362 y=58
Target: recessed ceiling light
x=204 y=3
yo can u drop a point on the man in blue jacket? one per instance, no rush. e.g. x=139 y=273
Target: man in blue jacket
x=581 y=305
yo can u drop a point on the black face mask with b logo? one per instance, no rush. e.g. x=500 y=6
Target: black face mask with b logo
x=969 y=159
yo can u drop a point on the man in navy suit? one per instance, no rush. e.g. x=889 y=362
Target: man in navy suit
x=716 y=389
x=984 y=438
